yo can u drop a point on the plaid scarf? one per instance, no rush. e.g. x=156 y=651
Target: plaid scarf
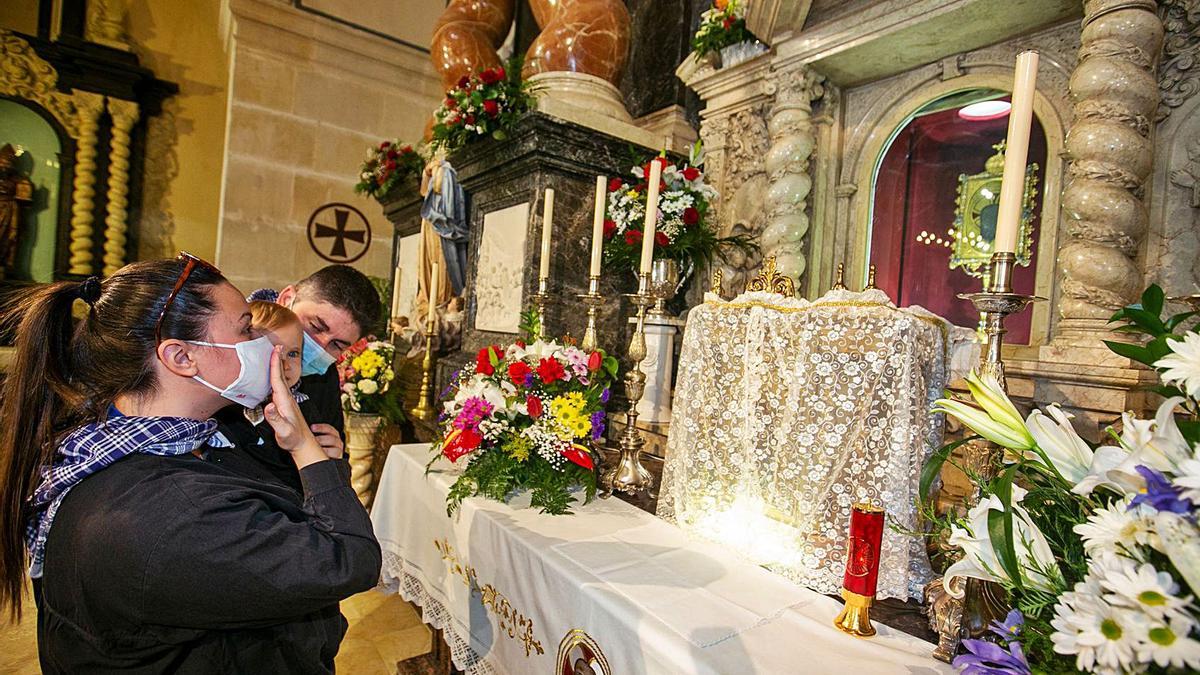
x=96 y=446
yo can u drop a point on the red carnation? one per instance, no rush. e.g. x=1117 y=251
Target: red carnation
x=500 y=74
x=451 y=104
x=461 y=443
x=660 y=239
x=470 y=119
x=491 y=108
x=610 y=228
x=464 y=82
x=691 y=216
x=633 y=237
x=390 y=165
x=406 y=149
x=550 y=370
x=384 y=145
x=615 y=184
x=520 y=343
x=728 y=23
x=640 y=187
x=392 y=154
x=489 y=76
x=595 y=361
x=580 y=457
x=517 y=372
x=691 y=173
x=483 y=362
x=535 y=406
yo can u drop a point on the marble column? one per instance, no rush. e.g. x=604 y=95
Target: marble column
x=1115 y=95
x=787 y=164
x=659 y=365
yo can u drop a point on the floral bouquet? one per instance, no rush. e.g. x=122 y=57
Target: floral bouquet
x=365 y=372
x=386 y=166
x=487 y=104
x=523 y=417
x=684 y=231
x=1097 y=547
x=721 y=25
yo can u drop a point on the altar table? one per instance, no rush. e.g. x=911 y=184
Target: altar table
x=509 y=587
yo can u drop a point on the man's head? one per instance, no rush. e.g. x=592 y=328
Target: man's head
x=337 y=305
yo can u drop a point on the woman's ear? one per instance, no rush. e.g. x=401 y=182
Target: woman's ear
x=176 y=357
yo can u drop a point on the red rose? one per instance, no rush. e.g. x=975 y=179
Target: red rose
x=615 y=184
x=491 y=108
x=550 y=370
x=520 y=343
x=691 y=216
x=451 y=104
x=633 y=237
x=392 y=154
x=406 y=149
x=489 y=76
x=390 y=166
x=535 y=406
x=576 y=455
x=500 y=74
x=461 y=442
x=470 y=119
x=610 y=228
x=384 y=145
x=728 y=22
x=660 y=239
x=662 y=186
x=483 y=362
x=595 y=361
x=517 y=372
x=640 y=187
x=464 y=82
x=691 y=173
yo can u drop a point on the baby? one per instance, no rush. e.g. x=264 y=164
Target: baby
x=282 y=327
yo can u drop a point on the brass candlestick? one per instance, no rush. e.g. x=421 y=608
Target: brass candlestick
x=984 y=601
x=424 y=409
x=540 y=299
x=628 y=475
x=593 y=300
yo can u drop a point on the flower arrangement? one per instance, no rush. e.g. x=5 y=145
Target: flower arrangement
x=365 y=372
x=523 y=416
x=486 y=104
x=1097 y=547
x=721 y=25
x=386 y=166
x=683 y=231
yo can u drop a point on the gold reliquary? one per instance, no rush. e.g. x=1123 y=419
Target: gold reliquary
x=974 y=230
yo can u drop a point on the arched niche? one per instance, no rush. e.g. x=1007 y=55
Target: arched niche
x=874 y=136
x=46 y=150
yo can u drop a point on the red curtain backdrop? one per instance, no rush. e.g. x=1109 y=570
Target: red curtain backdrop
x=915 y=191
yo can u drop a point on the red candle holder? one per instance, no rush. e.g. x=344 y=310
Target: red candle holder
x=862 y=570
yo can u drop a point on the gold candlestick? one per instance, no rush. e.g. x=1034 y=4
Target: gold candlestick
x=593 y=300
x=628 y=475
x=424 y=409
x=540 y=299
x=984 y=601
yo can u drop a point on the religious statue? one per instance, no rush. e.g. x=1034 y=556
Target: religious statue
x=15 y=191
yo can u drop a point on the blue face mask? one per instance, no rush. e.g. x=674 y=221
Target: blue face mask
x=316 y=360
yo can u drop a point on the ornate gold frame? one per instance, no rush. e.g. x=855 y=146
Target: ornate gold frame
x=770 y=281
x=976 y=192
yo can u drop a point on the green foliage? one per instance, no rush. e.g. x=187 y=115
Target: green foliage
x=1144 y=319
x=530 y=324
x=720 y=28
x=482 y=107
x=495 y=476
x=387 y=166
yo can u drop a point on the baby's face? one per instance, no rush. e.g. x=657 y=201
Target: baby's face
x=291 y=338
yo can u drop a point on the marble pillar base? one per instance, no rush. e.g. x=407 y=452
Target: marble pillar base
x=659 y=364
x=590 y=102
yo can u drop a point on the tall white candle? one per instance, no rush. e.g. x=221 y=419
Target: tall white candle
x=1020 y=119
x=598 y=226
x=434 y=278
x=396 y=293
x=547 y=222
x=651 y=215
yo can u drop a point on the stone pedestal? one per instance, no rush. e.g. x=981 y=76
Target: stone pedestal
x=504 y=182
x=659 y=365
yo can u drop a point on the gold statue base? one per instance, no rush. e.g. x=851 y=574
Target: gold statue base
x=855 y=617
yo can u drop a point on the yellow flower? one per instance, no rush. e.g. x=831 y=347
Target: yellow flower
x=368 y=364
x=633 y=194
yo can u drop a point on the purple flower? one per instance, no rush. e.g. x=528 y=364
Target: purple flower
x=598 y=424
x=473 y=410
x=604 y=395
x=1010 y=628
x=528 y=380
x=1160 y=493
x=986 y=658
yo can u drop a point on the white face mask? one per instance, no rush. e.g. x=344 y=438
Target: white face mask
x=253 y=383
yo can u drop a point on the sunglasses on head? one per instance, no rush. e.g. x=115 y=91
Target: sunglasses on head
x=191 y=262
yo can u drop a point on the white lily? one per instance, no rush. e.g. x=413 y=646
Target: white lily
x=997 y=418
x=1104 y=460
x=980 y=559
x=1155 y=443
x=1068 y=454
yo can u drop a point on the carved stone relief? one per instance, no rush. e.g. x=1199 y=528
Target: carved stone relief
x=499 y=274
x=156 y=233
x=1179 y=73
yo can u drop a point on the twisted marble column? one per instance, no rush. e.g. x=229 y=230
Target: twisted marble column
x=787 y=164
x=1115 y=93
x=83 y=215
x=124 y=114
x=466 y=36
x=580 y=36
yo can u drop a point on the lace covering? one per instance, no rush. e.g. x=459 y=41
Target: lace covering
x=788 y=412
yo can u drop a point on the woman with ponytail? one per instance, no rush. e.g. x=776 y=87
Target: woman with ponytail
x=146 y=555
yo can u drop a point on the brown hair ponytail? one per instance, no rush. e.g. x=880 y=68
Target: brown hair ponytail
x=63 y=375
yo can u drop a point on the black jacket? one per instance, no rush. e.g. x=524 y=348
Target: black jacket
x=181 y=565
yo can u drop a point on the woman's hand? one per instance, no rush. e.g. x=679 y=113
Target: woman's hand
x=286 y=420
x=329 y=440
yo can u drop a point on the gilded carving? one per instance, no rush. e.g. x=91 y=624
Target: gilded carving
x=1179 y=75
x=24 y=75
x=124 y=114
x=89 y=106
x=106 y=22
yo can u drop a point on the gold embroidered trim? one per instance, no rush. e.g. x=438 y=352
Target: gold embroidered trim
x=516 y=625
x=941 y=325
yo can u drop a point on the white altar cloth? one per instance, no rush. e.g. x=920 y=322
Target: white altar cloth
x=507 y=584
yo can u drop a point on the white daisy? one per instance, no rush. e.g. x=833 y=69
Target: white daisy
x=1115 y=529
x=1145 y=589
x=1183 y=367
x=1168 y=645
x=1102 y=637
